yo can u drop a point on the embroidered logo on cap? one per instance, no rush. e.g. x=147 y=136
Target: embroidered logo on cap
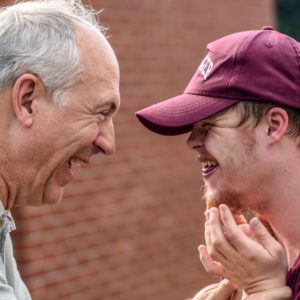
x=206 y=66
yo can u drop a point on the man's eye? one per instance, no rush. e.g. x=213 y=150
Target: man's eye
x=104 y=113
x=208 y=125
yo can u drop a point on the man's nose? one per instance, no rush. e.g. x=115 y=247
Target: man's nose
x=195 y=139
x=105 y=141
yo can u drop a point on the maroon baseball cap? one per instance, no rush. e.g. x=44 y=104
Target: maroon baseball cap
x=259 y=65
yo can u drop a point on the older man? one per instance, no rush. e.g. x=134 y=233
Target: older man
x=59 y=92
x=242 y=108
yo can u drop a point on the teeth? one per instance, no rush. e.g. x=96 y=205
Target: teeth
x=209 y=163
x=77 y=161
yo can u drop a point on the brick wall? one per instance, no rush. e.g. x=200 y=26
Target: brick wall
x=129 y=226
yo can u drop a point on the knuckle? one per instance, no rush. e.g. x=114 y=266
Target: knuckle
x=231 y=236
x=216 y=243
x=278 y=252
x=213 y=254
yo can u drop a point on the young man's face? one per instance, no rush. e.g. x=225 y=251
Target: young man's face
x=230 y=158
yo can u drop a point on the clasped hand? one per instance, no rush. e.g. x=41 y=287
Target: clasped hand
x=245 y=254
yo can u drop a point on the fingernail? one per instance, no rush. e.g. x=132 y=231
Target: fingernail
x=222 y=208
x=255 y=223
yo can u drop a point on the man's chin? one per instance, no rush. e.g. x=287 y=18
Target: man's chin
x=215 y=198
x=53 y=196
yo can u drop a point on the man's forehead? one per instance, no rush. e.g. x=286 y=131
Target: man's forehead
x=223 y=113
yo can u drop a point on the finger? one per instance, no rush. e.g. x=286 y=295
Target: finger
x=240 y=219
x=220 y=249
x=224 y=291
x=242 y=223
x=264 y=237
x=211 y=244
x=218 y=291
x=211 y=267
x=246 y=229
x=237 y=237
x=202 y=294
x=207 y=235
x=267 y=225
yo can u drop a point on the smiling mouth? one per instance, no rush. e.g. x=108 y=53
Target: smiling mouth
x=77 y=162
x=208 y=167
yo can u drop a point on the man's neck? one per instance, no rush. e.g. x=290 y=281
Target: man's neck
x=283 y=216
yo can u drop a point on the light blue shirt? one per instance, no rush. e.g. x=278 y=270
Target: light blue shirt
x=12 y=286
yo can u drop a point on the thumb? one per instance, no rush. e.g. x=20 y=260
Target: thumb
x=224 y=290
x=209 y=265
x=261 y=234
x=218 y=291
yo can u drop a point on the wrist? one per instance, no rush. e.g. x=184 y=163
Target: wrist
x=264 y=285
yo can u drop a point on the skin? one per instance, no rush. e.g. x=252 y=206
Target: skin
x=227 y=253
x=216 y=139
x=39 y=138
x=263 y=157
x=226 y=291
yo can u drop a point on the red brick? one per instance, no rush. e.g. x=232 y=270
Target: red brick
x=129 y=226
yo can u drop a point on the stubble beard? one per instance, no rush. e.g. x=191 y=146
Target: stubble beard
x=231 y=198
x=237 y=203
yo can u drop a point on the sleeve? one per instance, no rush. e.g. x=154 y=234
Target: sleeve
x=293 y=280
x=14 y=282
x=6 y=291
x=296 y=290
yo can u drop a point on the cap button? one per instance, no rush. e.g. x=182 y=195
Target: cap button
x=268 y=28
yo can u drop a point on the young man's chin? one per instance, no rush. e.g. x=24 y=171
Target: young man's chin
x=211 y=197
x=215 y=198
x=211 y=201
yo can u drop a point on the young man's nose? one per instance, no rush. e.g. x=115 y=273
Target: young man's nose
x=195 y=140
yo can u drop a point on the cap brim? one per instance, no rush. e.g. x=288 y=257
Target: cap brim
x=177 y=115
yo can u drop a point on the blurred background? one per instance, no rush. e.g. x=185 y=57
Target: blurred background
x=129 y=225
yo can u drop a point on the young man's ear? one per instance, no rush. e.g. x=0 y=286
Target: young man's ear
x=277 y=121
x=25 y=91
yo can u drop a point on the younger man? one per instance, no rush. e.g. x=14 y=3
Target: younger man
x=242 y=109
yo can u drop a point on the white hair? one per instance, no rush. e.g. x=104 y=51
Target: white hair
x=39 y=37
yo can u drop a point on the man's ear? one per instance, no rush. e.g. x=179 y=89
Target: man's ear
x=26 y=90
x=277 y=121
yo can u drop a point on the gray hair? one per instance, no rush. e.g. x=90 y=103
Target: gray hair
x=39 y=37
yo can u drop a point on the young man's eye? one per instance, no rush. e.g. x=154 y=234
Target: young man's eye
x=207 y=125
